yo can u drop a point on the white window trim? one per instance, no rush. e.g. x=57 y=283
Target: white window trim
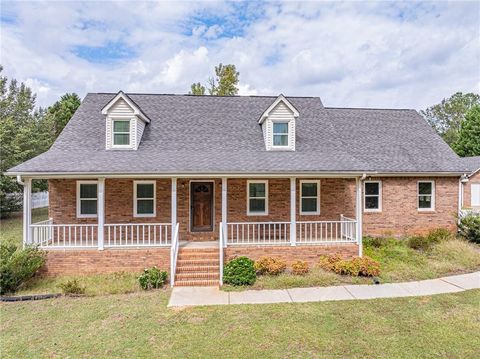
x=281 y=134
x=474 y=204
x=432 y=209
x=317 y=212
x=129 y=132
x=248 y=198
x=138 y=215
x=380 y=197
x=79 y=215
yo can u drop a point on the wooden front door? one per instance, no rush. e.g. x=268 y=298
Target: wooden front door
x=201 y=210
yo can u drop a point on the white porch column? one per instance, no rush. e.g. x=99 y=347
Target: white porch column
x=359 y=218
x=293 y=211
x=27 y=211
x=174 y=205
x=101 y=213
x=224 y=210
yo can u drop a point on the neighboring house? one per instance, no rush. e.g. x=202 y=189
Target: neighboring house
x=135 y=175
x=471 y=188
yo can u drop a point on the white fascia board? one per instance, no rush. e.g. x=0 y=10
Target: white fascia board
x=279 y=99
x=136 y=110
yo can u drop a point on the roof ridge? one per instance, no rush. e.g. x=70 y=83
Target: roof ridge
x=190 y=95
x=368 y=108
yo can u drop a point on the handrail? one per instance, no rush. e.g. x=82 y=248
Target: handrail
x=220 y=251
x=174 y=255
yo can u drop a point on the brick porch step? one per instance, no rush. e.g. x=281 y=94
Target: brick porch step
x=197 y=262
x=197 y=275
x=197 y=255
x=197 y=283
x=209 y=269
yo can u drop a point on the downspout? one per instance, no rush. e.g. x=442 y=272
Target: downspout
x=360 y=214
x=19 y=180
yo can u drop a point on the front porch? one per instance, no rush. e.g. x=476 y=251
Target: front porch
x=180 y=219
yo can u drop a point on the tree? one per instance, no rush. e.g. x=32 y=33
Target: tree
x=447 y=116
x=58 y=115
x=197 y=89
x=468 y=143
x=223 y=84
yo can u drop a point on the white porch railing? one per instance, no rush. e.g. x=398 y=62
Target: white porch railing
x=46 y=234
x=137 y=234
x=258 y=233
x=174 y=255
x=278 y=233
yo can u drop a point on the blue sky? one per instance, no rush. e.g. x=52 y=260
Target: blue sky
x=363 y=54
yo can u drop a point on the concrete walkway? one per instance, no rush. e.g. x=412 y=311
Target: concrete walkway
x=191 y=296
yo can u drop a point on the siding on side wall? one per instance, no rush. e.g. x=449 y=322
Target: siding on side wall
x=280 y=113
x=467 y=190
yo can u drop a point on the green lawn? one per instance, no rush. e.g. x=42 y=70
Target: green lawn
x=140 y=325
x=11 y=228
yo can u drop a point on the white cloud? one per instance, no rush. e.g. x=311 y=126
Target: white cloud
x=378 y=54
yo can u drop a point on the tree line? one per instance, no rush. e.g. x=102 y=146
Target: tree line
x=27 y=131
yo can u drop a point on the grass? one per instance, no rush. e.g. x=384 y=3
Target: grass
x=140 y=325
x=11 y=228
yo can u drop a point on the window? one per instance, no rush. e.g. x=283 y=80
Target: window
x=121 y=132
x=426 y=196
x=257 y=202
x=280 y=134
x=86 y=199
x=475 y=195
x=144 y=199
x=373 y=196
x=309 y=197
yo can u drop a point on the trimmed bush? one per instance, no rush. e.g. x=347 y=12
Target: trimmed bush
x=239 y=271
x=72 y=287
x=358 y=266
x=469 y=228
x=17 y=265
x=327 y=262
x=152 y=278
x=270 y=265
x=300 y=268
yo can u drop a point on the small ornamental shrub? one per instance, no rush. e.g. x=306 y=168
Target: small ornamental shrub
x=72 y=287
x=439 y=235
x=469 y=227
x=269 y=265
x=17 y=265
x=239 y=271
x=300 y=268
x=425 y=243
x=420 y=243
x=327 y=262
x=358 y=266
x=152 y=278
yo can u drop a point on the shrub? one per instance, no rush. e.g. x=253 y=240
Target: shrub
x=269 y=265
x=419 y=243
x=239 y=271
x=72 y=287
x=426 y=243
x=152 y=278
x=327 y=262
x=358 y=266
x=300 y=268
x=469 y=227
x=18 y=265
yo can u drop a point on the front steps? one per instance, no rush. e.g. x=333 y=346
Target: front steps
x=197 y=267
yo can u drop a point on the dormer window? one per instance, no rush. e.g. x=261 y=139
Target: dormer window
x=280 y=134
x=121 y=133
x=278 y=125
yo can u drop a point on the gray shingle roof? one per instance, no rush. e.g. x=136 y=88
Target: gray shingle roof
x=210 y=134
x=472 y=163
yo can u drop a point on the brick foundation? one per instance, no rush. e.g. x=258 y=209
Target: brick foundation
x=78 y=262
x=291 y=254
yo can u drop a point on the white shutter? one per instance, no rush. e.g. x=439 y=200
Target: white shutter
x=475 y=195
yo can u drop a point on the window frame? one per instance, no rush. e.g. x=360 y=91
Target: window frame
x=302 y=212
x=249 y=213
x=280 y=134
x=129 y=120
x=79 y=200
x=472 y=203
x=432 y=208
x=380 y=196
x=135 y=199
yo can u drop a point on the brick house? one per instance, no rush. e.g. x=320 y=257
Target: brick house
x=186 y=182
x=471 y=185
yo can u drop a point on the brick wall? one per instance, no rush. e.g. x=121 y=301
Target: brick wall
x=467 y=190
x=400 y=216
x=78 y=262
x=291 y=254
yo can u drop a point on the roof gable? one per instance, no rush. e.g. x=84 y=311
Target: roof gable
x=122 y=96
x=275 y=103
